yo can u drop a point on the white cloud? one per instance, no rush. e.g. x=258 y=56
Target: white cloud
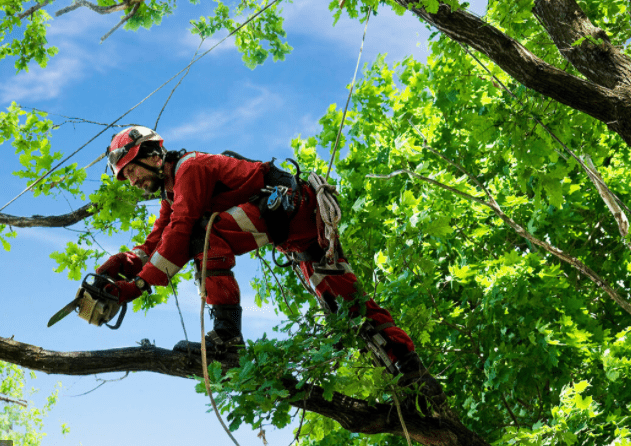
x=75 y=34
x=50 y=237
x=79 y=23
x=207 y=125
x=42 y=84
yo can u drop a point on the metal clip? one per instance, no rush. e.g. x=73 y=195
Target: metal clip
x=278 y=196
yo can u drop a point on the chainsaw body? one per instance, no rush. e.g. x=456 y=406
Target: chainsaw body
x=93 y=304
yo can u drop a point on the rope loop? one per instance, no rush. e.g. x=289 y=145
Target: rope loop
x=329 y=211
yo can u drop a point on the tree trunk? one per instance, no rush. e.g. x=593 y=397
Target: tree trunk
x=353 y=414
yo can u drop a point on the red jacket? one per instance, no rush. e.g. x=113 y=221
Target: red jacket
x=198 y=183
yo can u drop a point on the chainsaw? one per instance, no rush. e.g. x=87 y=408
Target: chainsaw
x=93 y=303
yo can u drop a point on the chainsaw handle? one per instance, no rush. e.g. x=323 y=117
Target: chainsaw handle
x=119 y=321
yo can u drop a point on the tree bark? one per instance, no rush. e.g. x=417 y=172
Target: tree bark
x=353 y=414
x=611 y=106
x=53 y=221
x=566 y=23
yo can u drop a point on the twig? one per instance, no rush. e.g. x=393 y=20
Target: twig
x=103 y=381
x=72 y=119
x=7 y=399
x=177 y=303
x=456 y=165
x=302 y=419
x=122 y=21
x=574 y=262
x=405 y=429
x=608 y=198
x=512 y=415
x=261 y=435
x=178 y=84
x=282 y=289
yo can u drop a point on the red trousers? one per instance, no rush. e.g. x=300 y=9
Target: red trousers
x=241 y=229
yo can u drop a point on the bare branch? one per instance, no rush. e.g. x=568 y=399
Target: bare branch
x=103 y=381
x=32 y=9
x=456 y=165
x=7 y=399
x=572 y=261
x=608 y=197
x=122 y=21
x=155 y=127
x=96 y=8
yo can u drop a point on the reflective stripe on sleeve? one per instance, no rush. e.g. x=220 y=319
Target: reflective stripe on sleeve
x=316 y=278
x=182 y=161
x=144 y=258
x=164 y=265
x=246 y=225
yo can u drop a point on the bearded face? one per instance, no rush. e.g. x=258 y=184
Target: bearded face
x=143 y=178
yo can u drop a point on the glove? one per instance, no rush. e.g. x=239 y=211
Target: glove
x=126 y=264
x=125 y=291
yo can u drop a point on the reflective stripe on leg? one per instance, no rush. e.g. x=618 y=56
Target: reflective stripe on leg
x=246 y=225
x=316 y=278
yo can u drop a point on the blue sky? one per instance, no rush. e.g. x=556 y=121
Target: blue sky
x=221 y=105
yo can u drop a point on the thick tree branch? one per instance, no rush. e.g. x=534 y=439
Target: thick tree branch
x=53 y=221
x=353 y=414
x=608 y=106
x=566 y=23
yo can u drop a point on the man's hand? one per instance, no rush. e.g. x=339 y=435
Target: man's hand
x=126 y=264
x=125 y=291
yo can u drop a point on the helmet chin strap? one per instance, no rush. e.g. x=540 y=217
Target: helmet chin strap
x=157 y=170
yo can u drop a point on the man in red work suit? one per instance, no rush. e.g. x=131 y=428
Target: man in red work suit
x=193 y=186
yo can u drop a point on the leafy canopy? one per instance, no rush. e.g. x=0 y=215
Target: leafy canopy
x=528 y=349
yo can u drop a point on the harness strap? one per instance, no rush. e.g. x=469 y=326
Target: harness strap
x=219 y=272
x=383 y=326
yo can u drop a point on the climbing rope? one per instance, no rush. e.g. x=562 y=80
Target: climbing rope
x=202 y=292
x=330 y=212
x=348 y=100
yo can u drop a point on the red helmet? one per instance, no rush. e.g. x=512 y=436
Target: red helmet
x=125 y=147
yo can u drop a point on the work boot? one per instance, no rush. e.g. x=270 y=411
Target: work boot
x=226 y=331
x=415 y=375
